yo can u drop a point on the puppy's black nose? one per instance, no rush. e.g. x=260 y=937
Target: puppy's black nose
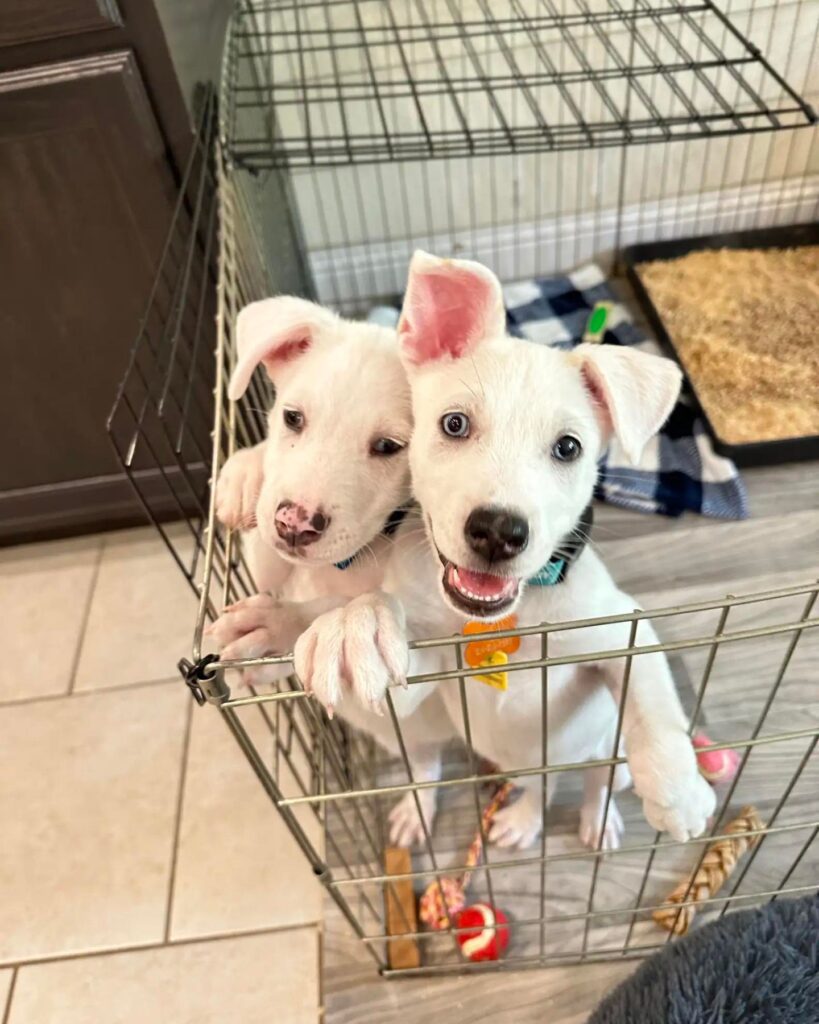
x=496 y=533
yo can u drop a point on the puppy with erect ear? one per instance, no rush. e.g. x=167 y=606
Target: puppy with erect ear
x=504 y=452
x=522 y=425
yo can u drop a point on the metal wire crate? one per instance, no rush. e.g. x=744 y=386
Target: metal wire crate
x=749 y=660
x=335 y=789
x=366 y=81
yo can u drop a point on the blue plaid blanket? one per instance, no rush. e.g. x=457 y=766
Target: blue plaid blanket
x=679 y=470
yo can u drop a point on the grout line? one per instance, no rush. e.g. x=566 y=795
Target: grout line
x=10 y=996
x=149 y=947
x=72 y=679
x=180 y=799
x=45 y=697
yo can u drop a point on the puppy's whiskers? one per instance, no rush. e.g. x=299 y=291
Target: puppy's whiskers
x=477 y=374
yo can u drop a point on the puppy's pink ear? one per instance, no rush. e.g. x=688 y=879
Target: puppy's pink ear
x=634 y=392
x=274 y=332
x=449 y=306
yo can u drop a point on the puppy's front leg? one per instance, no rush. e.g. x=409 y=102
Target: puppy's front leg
x=260 y=625
x=358 y=650
x=238 y=488
x=237 y=495
x=519 y=823
x=412 y=818
x=676 y=798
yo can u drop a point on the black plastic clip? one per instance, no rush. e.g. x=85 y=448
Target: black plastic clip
x=195 y=675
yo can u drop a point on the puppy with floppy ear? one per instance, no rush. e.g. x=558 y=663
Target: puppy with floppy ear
x=321 y=489
x=504 y=451
x=322 y=495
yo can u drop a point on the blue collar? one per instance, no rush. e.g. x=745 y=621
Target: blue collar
x=555 y=570
x=394 y=520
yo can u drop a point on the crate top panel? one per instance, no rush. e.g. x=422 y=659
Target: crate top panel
x=311 y=83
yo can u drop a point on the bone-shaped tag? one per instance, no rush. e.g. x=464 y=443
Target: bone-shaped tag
x=500 y=680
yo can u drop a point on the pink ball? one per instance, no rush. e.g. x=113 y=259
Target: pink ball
x=488 y=932
x=717 y=766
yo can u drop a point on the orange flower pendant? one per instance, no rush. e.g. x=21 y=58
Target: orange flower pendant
x=492 y=654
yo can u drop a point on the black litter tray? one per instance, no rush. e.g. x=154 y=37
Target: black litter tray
x=756 y=453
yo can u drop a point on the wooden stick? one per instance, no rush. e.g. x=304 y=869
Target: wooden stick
x=719 y=862
x=400 y=897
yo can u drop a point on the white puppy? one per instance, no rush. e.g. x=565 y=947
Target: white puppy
x=324 y=488
x=322 y=494
x=504 y=451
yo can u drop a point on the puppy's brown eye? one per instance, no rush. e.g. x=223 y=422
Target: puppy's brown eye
x=386 y=446
x=293 y=420
x=567 y=448
x=455 y=424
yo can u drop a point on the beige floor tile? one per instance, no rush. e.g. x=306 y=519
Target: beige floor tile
x=258 y=979
x=142 y=614
x=44 y=591
x=88 y=793
x=238 y=868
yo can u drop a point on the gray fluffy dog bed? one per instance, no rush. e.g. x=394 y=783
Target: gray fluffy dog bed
x=752 y=967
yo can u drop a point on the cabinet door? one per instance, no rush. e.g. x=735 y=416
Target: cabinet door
x=25 y=21
x=86 y=197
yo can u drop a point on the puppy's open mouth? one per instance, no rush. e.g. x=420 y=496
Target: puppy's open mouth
x=482 y=594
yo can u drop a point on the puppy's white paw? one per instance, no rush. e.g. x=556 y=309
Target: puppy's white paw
x=517 y=825
x=591 y=825
x=360 y=648
x=254 y=628
x=238 y=487
x=688 y=816
x=406 y=828
x=676 y=798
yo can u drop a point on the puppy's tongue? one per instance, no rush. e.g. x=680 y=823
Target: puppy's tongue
x=481 y=584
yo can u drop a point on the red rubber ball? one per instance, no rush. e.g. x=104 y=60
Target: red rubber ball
x=486 y=933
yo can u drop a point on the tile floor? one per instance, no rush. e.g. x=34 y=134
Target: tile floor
x=144 y=876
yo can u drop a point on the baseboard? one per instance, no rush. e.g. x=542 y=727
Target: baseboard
x=98 y=504
x=359 y=276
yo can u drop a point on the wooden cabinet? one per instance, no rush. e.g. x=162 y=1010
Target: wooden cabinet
x=26 y=21
x=83 y=163
x=93 y=132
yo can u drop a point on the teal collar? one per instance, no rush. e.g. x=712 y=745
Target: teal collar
x=570 y=548
x=552 y=572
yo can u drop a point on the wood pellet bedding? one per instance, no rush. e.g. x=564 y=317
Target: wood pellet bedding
x=745 y=325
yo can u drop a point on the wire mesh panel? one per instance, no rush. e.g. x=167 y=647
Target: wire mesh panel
x=369 y=81
x=161 y=421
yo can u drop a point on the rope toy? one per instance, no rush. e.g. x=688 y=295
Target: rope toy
x=445 y=900
x=719 y=862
